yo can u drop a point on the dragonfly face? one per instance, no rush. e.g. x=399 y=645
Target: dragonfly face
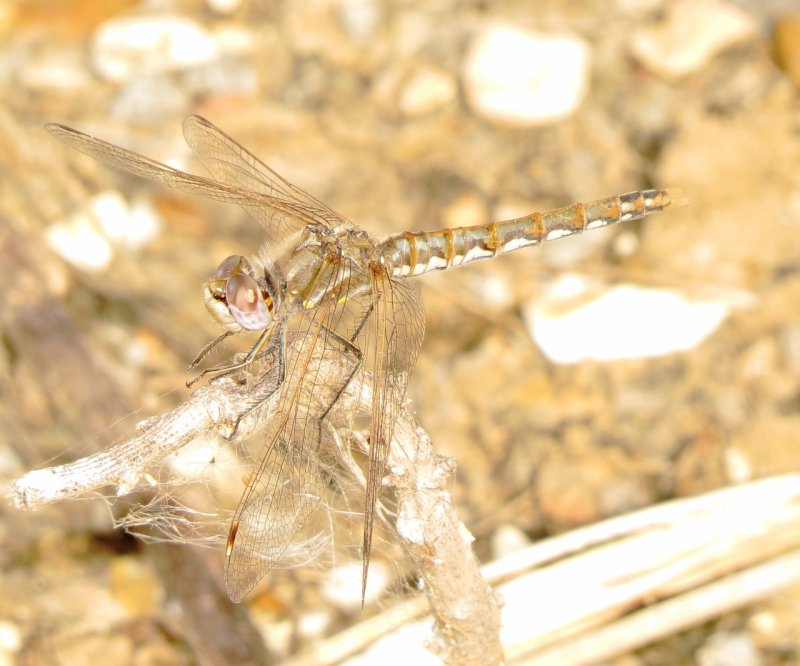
x=236 y=300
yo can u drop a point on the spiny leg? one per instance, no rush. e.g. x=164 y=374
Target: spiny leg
x=281 y=377
x=356 y=352
x=363 y=321
x=207 y=349
x=226 y=370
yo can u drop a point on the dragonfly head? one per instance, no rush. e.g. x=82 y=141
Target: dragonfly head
x=235 y=298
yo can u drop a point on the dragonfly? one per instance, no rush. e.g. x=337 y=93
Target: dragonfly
x=320 y=278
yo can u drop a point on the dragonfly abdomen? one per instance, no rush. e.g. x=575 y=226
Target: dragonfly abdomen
x=417 y=252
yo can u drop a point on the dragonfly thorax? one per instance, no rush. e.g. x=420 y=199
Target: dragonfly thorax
x=329 y=265
x=237 y=300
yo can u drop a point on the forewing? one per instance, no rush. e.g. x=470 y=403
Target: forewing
x=271 y=208
x=231 y=163
x=276 y=520
x=393 y=337
x=278 y=504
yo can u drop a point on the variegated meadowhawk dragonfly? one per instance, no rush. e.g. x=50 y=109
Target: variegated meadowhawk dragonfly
x=320 y=277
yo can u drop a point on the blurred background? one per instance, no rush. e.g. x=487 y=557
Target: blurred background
x=573 y=382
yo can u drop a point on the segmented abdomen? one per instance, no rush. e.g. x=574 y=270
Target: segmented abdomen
x=413 y=253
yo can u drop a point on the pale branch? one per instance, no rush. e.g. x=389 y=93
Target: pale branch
x=465 y=608
x=212 y=408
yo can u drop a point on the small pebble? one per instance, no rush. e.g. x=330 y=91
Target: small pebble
x=79 y=241
x=507 y=540
x=495 y=291
x=131 y=227
x=521 y=77
x=691 y=34
x=87 y=239
x=314 y=623
x=124 y=47
x=428 y=90
x=10 y=638
x=738 y=465
x=233 y=39
x=569 y=487
x=359 y=18
x=729 y=649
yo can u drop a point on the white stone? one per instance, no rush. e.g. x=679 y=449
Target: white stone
x=507 y=540
x=359 y=18
x=10 y=637
x=87 y=239
x=429 y=89
x=131 y=227
x=624 y=322
x=79 y=241
x=691 y=34
x=738 y=465
x=522 y=77
x=729 y=649
x=314 y=623
x=133 y=45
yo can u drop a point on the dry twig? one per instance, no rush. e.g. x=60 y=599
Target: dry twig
x=465 y=608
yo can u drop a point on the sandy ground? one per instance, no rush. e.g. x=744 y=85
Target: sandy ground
x=370 y=107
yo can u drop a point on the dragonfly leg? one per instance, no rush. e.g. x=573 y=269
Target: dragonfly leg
x=207 y=349
x=363 y=321
x=226 y=370
x=281 y=376
x=356 y=352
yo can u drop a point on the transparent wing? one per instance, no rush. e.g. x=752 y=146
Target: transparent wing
x=275 y=522
x=391 y=342
x=282 y=213
x=276 y=515
x=231 y=163
x=280 y=511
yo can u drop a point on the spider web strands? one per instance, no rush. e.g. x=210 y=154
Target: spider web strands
x=466 y=610
x=414 y=253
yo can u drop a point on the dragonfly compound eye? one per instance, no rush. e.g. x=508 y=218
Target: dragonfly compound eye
x=246 y=303
x=233 y=265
